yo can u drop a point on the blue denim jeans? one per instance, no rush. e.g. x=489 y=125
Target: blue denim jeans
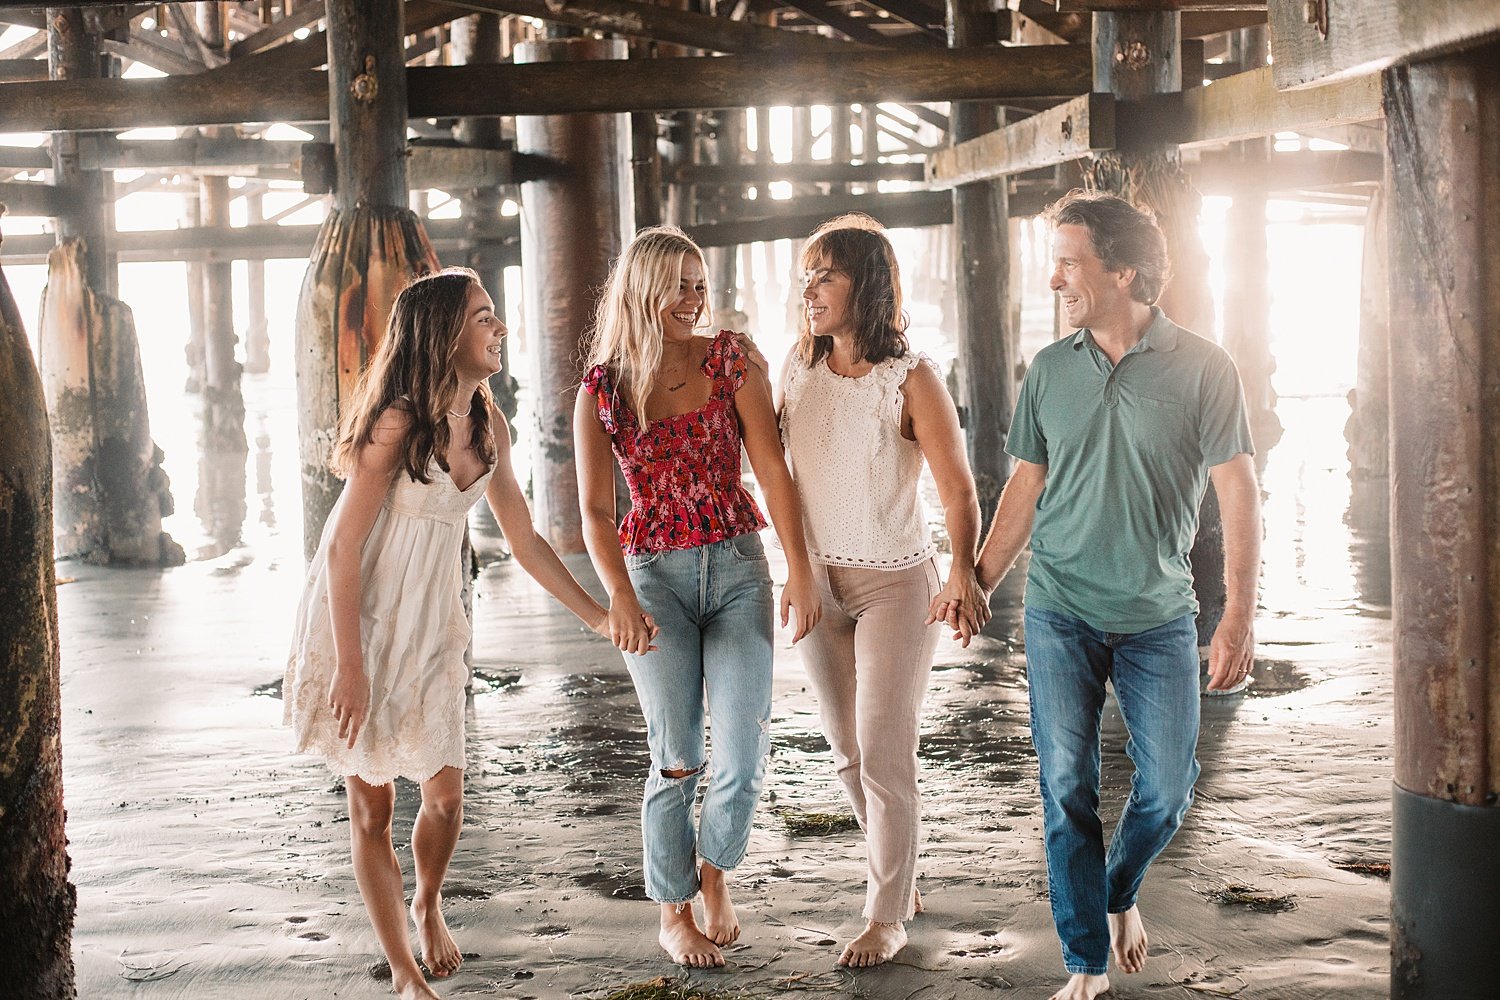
x=713 y=606
x=1155 y=677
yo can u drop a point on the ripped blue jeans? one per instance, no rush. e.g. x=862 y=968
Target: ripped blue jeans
x=714 y=608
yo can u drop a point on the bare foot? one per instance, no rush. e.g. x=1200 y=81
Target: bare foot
x=916 y=901
x=876 y=945
x=720 y=925
x=1127 y=939
x=439 y=952
x=681 y=939
x=413 y=988
x=1081 y=987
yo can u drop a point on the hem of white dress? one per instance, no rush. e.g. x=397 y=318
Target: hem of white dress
x=902 y=562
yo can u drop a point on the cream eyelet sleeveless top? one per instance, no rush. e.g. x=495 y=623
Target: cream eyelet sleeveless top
x=856 y=474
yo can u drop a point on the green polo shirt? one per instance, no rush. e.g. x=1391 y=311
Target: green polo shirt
x=1127 y=449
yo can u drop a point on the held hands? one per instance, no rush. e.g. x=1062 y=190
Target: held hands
x=628 y=627
x=799 y=595
x=349 y=697
x=962 y=605
x=1232 y=652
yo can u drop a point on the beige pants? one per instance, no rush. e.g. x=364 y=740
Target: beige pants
x=869 y=660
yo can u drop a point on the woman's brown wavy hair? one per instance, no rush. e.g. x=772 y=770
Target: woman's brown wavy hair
x=413 y=369
x=856 y=245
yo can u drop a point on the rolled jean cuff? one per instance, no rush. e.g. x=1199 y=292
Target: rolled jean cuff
x=674 y=902
x=1086 y=970
x=729 y=867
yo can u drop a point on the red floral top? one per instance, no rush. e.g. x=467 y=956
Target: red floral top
x=683 y=471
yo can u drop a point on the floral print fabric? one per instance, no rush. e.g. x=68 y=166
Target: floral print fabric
x=683 y=471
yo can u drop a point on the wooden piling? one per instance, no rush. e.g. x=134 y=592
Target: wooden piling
x=573 y=223
x=1443 y=133
x=223 y=411
x=987 y=347
x=257 y=333
x=371 y=245
x=37 y=902
x=111 y=491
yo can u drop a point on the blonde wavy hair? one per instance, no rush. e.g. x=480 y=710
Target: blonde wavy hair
x=413 y=369
x=626 y=335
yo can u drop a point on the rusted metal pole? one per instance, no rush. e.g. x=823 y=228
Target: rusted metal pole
x=1137 y=55
x=370 y=245
x=572 y=226
x=37 y=901
x=1443 y=137
x=987 y=342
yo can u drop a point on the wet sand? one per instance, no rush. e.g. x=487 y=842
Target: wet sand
x=211 y=863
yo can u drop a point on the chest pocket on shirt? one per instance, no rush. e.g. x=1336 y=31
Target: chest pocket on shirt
x=1158 y=426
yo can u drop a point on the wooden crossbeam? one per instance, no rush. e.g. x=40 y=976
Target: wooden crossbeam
x=304 y=16
x=22 y=70
x=916 y=14
x=1362 y=36
x=1223 y=173
x=151 y=49
x=1070 y=131
x=224 y=152
x=796 y=173
x=855 y=29
x=799 y=217
x=1245 y=106
x=1146 y=6
x=222 y=98
x=27 y=48
x=662 y=24
x=28 y=198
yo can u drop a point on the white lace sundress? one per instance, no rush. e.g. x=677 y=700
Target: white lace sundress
x=413 y=631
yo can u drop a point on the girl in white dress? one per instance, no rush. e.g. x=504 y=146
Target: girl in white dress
x=375 y=680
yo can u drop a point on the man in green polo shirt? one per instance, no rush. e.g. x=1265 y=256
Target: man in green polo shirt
x=1117 y=430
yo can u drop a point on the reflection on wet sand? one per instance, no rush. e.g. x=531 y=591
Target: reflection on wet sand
x=211 y=862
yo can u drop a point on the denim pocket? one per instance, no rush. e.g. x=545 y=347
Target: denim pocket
x=641 y=560
x=748 y=547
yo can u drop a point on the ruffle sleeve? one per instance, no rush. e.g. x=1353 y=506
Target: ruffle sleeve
x=597 y=383
x=726 y=363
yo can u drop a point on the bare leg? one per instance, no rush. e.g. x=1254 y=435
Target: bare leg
x=720 y=925
x=432 y=843
x=876 y=945
x=380 y=885
x=683 y=941
x=1127 y=939
x=1082 y=987
x=916 y=901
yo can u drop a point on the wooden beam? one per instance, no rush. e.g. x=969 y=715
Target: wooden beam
x=1070 y=131
x=25 y=158
x=27 y=198
x=22 y=70
x=260 y=242
x=1245 y=106
x=303 y=17
x=458 y=168
x=1223 y=173
x=797 y=173
x=152 y=50
x=220 y=97
x=1131 y=6
x=801 y=216
x=662 y=24
x=192 y=151
x=917 y=14
x=1351 y=38
x=855 y=29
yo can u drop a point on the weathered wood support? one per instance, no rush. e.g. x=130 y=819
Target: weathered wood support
x=480 y=40
x=371 y=244
x=1369 y=428
x=110 y=492
x=1443 y=128
x=74 y=55
x=223 y=409
x=725 y=142
x=987 y=343
x=992 y=73
x=37 y=902
x=573 y=224
x=1247 y=296
x=1137 y=55
x=192 y=211
x=257 y=334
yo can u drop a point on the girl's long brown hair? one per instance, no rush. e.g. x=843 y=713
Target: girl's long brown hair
x=856 y=245
x=413 y=369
